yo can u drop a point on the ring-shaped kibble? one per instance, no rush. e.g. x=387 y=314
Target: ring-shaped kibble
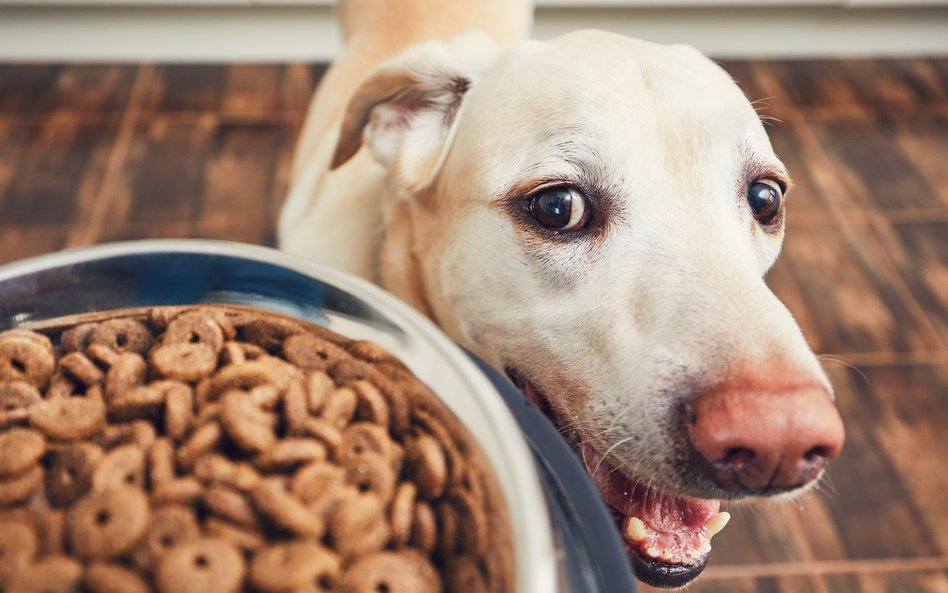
x=273 y=501
x=102 y=354
x=128 y=371
x=425 y=462
x=68 y=418
x=198 y=444
x=169 y=526
x=447 y=528
x=179 y=491
x=106 y=577
x=107 y=524
x=241 y=377
x=51 y=529
x=370 y=472
x=201 y=566
x=184 y=361
x=124 y=465
x=402 y=513
x=195 y=327
x=18 y=547
x=23 y=359
x=244 y=422
x=122 y=335
x=372 y=352
x=364 y=437
x=70 y=473
x=358 y=526
x=136 y=402
x=286 y=566
x=231 y=505
x=429 y=423
x=295 y=411
x=20 y=449
x=78 y=366
x=404 y=571
x=311 y=353
x=53 y=574
x=326 y=432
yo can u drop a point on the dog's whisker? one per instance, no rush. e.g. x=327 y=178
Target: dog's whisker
x=845 y=363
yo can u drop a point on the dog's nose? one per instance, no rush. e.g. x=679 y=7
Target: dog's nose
x=762 y=441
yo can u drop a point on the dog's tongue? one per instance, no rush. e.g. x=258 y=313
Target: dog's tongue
x=661 y=526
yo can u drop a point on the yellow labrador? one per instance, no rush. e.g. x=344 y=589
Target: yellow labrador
x=593 y=215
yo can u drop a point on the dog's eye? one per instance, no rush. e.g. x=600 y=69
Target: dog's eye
x=560 y=208
x=765 y=197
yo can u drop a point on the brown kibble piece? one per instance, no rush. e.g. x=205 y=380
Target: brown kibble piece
x=128 y=371
x=102 y=354
x=122 y=335
x=340 y=406
x=103 y=577
x=404 y=571
x=170 y=526
x=123 y=465
x=358 y=526
x=19 y=488
x=402 y=513
x=23 y=359
x=216 y=469
x=269 y=333
x=20 y=449
x=195 y=328
x=372 y=404
x=201 y=566
x=18 y=546
x=448 y=532
x=184 y=361
x=179 y=411
x=201 y=442
x=424 y=528
x=231 y=505
x=51 y=529
x=78 y=366
x=76 y=338
x=107 y=524
x=271 y=499
x=310 y=352
x=68 y=418
x=182 y=490
x=289 y=453
x=239 y=537
x=370 y=472
x=284 y=567
x=427 y=466
x=70 y=473
x=463 y=575
x=243 y=422
x=53 y=574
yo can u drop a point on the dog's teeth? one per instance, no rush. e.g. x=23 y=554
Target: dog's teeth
x=652 y=552
x=717 y=523
x=635 y=529
x=704 y=549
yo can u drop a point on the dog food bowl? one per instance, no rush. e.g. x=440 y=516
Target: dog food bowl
x=564 y=538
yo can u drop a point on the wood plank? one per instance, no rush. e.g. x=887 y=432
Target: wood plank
x=44 y=88
x=51 y=172
x=232 y=87
x=900 y=582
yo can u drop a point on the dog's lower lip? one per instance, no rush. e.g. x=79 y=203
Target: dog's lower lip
x=667 y=537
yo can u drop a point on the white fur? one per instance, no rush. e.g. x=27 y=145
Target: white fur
x=616 y=330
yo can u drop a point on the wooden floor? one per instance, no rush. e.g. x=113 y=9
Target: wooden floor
x=102 y=153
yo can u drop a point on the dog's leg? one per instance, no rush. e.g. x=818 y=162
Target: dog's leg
x=336 y=217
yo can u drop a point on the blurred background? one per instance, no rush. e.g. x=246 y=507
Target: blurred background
x=126 y=119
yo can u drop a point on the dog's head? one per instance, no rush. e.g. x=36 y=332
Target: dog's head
x=594 y=215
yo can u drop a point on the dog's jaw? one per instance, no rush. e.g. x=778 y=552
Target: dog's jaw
x=666 y=536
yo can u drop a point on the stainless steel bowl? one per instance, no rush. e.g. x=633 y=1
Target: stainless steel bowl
x=170 y=272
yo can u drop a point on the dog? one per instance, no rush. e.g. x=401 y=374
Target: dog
x=592 y=215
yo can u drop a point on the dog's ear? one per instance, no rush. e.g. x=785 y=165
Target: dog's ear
x=407 y=110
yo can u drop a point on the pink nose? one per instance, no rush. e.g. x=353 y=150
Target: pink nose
x=762 y=440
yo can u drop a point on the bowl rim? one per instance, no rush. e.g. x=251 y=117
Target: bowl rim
x=536 y=559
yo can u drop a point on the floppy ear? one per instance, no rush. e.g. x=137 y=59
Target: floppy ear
x=407 y=110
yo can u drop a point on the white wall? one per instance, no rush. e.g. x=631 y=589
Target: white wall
x=279 y=30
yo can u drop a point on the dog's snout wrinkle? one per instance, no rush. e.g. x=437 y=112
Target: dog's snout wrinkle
x=764 y=441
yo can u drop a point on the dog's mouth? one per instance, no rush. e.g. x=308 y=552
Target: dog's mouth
x=667 y=536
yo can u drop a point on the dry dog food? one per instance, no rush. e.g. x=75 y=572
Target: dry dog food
x=221 y=449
